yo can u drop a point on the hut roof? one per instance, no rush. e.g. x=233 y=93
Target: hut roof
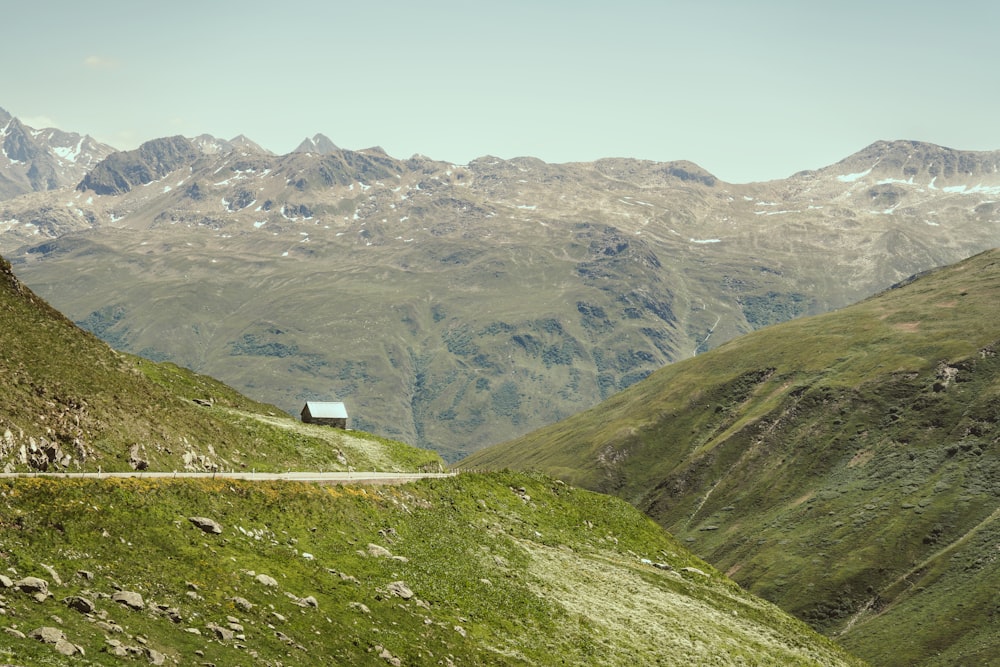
x=326 y=409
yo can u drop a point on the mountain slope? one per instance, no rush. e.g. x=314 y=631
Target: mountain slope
x=456 y=306
x=482 y=569
x=69 y=402
x=474 y=570
x=844 y=466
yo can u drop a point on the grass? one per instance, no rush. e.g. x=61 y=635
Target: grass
x=821 y=460
x=505 y=569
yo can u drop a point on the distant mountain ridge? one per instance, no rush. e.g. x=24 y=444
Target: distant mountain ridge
x=48 y=159
x=457 y=305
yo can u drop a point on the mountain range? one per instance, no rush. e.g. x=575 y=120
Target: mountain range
x=845 y=466
x=454 y=306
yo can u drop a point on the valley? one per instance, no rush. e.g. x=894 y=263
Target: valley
x=797 y=379
x=455 y=306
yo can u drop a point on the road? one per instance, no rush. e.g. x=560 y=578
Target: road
x=356 y=477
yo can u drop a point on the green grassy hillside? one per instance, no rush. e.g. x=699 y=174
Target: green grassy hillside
x=69 y=402
x=496 y=569
x=844 y=466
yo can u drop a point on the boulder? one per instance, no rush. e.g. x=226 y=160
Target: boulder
x=243 y=604
x=400 y=589
x=6 y=581
x=80 y=604
x=377 y=551
x=56 y=637
x=266 y=580
x=47 y=634
x=32 y=585
x=205 y=524
x=130 y=599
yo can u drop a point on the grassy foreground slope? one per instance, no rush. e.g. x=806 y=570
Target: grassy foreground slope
x=500 y=569
x=844 y=466
x=69 y=402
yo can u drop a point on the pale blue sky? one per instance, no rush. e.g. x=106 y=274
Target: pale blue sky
x=748 y=90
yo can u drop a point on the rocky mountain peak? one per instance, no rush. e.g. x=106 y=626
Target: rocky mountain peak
x=244 y=143
x=918 y=163
x=120 y=172
x=319 y=143
x=4 y=116
x=17 y=143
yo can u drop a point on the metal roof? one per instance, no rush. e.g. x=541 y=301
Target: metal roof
x=327 y=409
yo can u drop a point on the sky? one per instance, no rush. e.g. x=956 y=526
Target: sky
x=749 y=90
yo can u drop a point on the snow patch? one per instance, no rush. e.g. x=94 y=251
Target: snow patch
x=69 y=153
x=166 y=189
x=705 y=240
x=260 y=223
x=979 y=189
x=850 y=178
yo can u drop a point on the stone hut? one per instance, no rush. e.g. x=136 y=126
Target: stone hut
x=328 y=413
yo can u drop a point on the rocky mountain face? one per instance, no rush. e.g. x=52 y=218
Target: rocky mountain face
x=845 y=466
x=454 y=306
x=120 y=172
x=48 y=159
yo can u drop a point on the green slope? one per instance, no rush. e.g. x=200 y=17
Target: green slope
x=844 y=466
x=498 y=569
x=69 y=402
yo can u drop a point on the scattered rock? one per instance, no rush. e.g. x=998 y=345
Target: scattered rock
x=84 y=574
x=243 y=604
x=47 y=634
x=693 y=570
x=154 y=656
x=110 y=626
x=80 y=604
x=32 y=585
x=14 y=633
x=377 y=551
x=266 y=580
x=223 y=634
x=130 y=599
x=6 y=581
x=206 y=524
x=400 y=589
x=56 y=637
x=135 y=458
x=388 y=657
x=56 y=579
x=360 y=606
